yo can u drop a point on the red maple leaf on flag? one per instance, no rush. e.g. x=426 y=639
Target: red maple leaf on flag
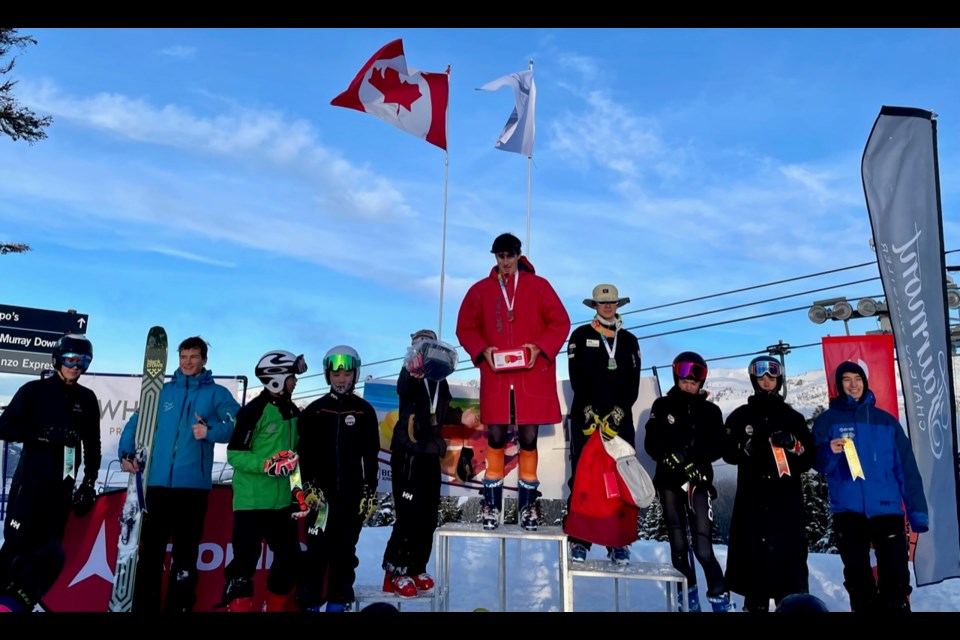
x=387 y=81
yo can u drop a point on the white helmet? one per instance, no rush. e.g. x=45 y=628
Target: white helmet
x=276 y=366
x=342 y=357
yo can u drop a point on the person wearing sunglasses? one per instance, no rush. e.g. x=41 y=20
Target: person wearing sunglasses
x=416 y=448
x=194 y=414
x=339 y=446
x=266 y=507
x=769 y=443
x=685 y=436
x=604 y=363
x=58 y=421
x=513 y=334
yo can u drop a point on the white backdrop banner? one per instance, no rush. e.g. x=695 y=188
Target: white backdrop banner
x=119 y=396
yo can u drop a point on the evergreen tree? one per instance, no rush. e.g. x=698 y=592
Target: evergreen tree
x=17 y=121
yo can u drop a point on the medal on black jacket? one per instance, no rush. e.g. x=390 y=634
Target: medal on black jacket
x=433 y=402
x=611 y=351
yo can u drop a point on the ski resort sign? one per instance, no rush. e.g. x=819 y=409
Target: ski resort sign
x=27 y=336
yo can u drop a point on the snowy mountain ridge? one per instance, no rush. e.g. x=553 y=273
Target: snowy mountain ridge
x=730 y=388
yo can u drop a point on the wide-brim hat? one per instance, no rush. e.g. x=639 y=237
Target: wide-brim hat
x=605 y=293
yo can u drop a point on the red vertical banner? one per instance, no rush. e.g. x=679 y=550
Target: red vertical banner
x=875 y=354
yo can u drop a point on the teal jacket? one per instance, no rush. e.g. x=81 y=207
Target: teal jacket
x=177 y=459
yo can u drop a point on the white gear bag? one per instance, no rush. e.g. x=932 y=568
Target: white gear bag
x=634 y=476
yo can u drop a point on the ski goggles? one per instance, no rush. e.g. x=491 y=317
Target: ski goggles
x=71 y=360
x=341 y=361
x=766 y=368
x=690 y=370
x=299 y=365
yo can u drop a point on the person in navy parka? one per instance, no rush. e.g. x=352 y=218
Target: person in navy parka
x=873 y=479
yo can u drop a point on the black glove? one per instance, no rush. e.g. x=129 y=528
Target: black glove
x=783 y=439
x=588 y=414
x=368 y=504
x=747 y=446
x=84 y=498
x=313 y=496
x=693 y=474
x=606 y=431
x=674 y=461
x=616 y=416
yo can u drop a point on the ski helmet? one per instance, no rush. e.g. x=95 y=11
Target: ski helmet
x=276 y=366
x=73 y=350
x=766 y=365
x=689 y=365
x=342 y=357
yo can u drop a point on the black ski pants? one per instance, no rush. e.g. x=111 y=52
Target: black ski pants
x=331 y=554
x=173 y=515
x=678 y=509
x=416 y=500
x=281 y=533
x=891 y=588
x=36 y=519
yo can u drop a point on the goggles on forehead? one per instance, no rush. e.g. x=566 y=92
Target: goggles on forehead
x=71 y=360
x=766 y=368
x=693 y=370
x=341 y=361
x=299 y=365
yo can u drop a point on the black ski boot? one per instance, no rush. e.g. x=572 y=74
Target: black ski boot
x=492 y=493
x=528 y=512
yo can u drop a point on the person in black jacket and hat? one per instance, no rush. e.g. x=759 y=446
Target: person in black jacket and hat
x=416 y=449
x=771 y=446
x=58 y=421
x=604 y=364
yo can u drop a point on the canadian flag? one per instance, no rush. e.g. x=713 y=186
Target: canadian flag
x=415 y=101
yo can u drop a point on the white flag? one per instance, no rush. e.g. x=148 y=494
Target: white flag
x=517 y=135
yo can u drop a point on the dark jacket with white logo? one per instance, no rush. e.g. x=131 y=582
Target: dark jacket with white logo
x=339 y=445
x=682 y=422
x=48 y=416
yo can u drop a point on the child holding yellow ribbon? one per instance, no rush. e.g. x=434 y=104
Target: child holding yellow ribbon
x=873 y=479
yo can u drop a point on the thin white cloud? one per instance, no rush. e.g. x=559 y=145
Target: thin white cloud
x=186 y=255
x=243 y=137
x=178 y=51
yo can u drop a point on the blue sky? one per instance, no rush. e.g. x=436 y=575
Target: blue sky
x=200 y=179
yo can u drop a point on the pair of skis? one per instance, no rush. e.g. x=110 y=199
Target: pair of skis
x=131 y=516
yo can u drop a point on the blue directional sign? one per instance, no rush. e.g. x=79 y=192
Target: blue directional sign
x=27 y=336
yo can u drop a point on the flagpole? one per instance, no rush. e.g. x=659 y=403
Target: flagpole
x=529 y=180
x=443 y=242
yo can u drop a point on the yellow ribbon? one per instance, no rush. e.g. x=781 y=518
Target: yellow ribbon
x=853 y=460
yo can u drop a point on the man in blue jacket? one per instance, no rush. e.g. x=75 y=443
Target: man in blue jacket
x=873 y=478
x=194 y=414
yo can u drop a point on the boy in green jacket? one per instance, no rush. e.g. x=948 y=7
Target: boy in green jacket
x=263 y=455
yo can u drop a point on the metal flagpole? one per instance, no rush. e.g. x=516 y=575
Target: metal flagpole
x=443 y=242
x=529 y=180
